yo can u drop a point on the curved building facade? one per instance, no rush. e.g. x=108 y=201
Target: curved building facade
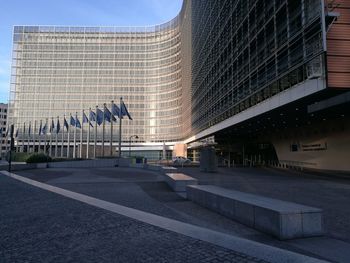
x=250 y=76
x=59 y=71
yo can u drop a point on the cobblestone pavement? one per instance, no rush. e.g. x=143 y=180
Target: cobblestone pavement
x=146 y=190
x=39 y=226
x=139 y=189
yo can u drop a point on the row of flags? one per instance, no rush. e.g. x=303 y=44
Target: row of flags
x=98 y=117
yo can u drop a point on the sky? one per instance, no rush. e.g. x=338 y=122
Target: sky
x=75 y=13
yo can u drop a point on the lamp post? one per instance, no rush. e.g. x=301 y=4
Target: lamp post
x=132 y=136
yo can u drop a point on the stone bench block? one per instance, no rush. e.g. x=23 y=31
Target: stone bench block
x=282 y=219
x=178 y=181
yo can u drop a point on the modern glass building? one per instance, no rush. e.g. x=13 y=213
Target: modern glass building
x=59 y=71
x=222 y=69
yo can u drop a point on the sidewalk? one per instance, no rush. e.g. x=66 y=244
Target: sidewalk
x=41 y=226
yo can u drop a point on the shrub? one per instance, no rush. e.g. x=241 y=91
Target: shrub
x=39 y=158
x=18 y=157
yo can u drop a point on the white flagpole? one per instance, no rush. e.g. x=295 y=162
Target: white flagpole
x=75 y=136
x=103 y=130
x=34 y=132
x=120 y=128
x=50 y=148
x=81 y=135
x=41 y=127
x=45 y=136
x=68 y=131
x=62 y=145
x=95 y=135
x=111 y=142
x=23 y=135
x=28 y=137
x=56 y=131
x=88 y=136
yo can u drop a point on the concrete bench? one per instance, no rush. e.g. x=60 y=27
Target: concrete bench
x=179 y=181
x=168 y=169
x=282 y=219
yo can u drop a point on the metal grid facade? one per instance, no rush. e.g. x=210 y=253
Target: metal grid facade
x=247 y=51
x=61 y=70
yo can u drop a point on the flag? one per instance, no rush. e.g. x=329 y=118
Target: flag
x=65 y=123
x=72 y=121
x=58 y=126
x=115 y=110
x=30 y=128
x=16 y=135
x=77 y=122
x=52 y=126
x=44 y=129
x=99 y=116
x=92 y=116
x=40 y=127
x=108 y=115
x=124 y=111
x=86 y=120
x=7 y=131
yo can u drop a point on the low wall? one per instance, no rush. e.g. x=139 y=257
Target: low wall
x=123 y=162
x=23 y=166
x=282 y=219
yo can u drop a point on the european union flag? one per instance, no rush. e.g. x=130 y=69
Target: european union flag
x=92 y=116
x=85 y=118
x=66 y=123
x=58 y=126
x=77 y=122
x=52 y=126
x=72 y=121
x=44 y=129
x=115 y=110
x=99 y=116
x=108 y=115
x=40 y=128
x=124 y=111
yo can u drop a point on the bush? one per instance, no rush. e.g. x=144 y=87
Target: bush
x=39 y=158
x=18 y=157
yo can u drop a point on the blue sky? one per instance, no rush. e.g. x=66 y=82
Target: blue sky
x=75 y=12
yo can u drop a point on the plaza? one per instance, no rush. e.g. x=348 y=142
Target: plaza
x=146 y=192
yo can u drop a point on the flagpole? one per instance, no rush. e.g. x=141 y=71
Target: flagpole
x=34 y=139
x=56 y=141
x=68 y=131
x=95 y=135
x=111 y=142
x=75 y=135
x=50 y=148
x=41 y=126
x=45 y=136
x=28 y=137
x=88 y=136
x=24 y=133
x=120 y=128
x=62 y=145
x=103 y=130
x=81 y=135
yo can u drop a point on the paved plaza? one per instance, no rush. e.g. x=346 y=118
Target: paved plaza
x=40 y=226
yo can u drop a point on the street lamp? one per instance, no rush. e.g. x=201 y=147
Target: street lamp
x=132 y=136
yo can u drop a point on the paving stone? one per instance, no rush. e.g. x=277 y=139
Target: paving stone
x=45 y=227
